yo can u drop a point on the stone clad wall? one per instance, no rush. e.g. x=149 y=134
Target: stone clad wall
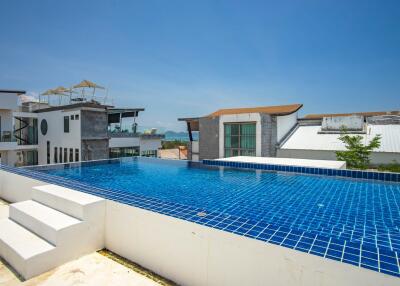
x=96 y=149
x=268 y=135
x=209 y=138
x=94 y=124
x=95 y=143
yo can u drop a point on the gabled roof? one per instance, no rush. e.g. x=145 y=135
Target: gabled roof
x=373 y=113
x=272 y=110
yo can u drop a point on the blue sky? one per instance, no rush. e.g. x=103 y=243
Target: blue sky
x=189 y=58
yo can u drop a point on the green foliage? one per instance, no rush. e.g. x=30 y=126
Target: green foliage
x=357 y=155
x=173 y=144
x=392 y=167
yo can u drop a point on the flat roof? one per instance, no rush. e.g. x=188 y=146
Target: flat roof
x=73 y=106
x=12 y=91
x=189 y=119
x=371 y=113
x=122 y=110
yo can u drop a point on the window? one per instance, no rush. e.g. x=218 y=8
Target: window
x=55 y=155
x=60 y=153
x=240 y=139
x=48 y=152
x=65 y=155
x=77 y=155
x=71 y=155
x=149 y=153
x=66 y=124
x=76 y=116
x=123 y=152
x=43 y=127
x=72 y=117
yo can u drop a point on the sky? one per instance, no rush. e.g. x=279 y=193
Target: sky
x=189 y=58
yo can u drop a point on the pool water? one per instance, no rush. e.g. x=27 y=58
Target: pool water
x=353 y=221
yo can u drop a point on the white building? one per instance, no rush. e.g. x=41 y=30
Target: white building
x=18 y=131
x=276 y=131
x=241 y=131
x=40 y=134
x=317 y=136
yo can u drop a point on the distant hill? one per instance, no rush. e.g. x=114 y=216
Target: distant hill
x=182 y=136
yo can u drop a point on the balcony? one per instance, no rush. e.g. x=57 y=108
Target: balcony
x=7 y=141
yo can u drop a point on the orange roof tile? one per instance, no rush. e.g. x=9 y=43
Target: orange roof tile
x=272 y=110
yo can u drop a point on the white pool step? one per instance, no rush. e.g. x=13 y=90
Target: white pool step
x=56 y=226
x=44 y=221
x=22 y=249
x=63 y=199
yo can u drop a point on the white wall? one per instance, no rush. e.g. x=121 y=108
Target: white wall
x=352 y=122
x=192 y=254
x=284 y=124
x=124 y=142
x=16 y=188
x=9 y=101
x=245 y=117
x=149 y=144
x=56 y=136
x=377 y=158
x=7 y=121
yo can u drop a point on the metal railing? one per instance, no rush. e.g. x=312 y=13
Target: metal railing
x=7 y=136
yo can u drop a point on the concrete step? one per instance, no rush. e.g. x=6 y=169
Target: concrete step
x=50 y=224
x=27 y=253
x=73 y=203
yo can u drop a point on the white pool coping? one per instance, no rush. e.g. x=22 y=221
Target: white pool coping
x=330 y=164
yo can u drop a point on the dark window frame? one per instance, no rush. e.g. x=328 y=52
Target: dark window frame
x=48 y=152
x=77 y=159
x=239 y=150
x=66 y=124
x=55 y=155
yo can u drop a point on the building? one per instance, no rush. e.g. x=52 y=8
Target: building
x=316 y=136
x=34 y=133
x=18 y=131
x=276 y=131
x=241 y=131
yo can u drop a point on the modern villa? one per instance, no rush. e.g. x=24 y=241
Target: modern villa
x=35 y=133
x=241 y=131
x=276 y=131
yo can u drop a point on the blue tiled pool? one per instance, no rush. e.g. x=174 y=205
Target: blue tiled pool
x=353 y=221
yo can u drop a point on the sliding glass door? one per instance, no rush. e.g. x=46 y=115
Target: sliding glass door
x=240 y=139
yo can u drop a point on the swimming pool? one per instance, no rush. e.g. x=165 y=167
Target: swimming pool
x=352 y=221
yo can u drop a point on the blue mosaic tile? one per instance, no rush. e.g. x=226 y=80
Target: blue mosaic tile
x=354 y=221
x=356 y=174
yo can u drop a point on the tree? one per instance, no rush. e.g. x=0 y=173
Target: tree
x=357 y=154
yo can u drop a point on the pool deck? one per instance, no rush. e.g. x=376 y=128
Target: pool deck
x=287 y=162
x=93 y=269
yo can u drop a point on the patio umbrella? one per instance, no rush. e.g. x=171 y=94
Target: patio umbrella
x=88 y=84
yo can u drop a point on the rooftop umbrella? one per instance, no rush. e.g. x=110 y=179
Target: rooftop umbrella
x=88 y=84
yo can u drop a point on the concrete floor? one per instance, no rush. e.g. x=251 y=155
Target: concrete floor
x=93 y=269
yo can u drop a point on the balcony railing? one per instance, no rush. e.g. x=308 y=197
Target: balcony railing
x=123 y=134
x=7 y=136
